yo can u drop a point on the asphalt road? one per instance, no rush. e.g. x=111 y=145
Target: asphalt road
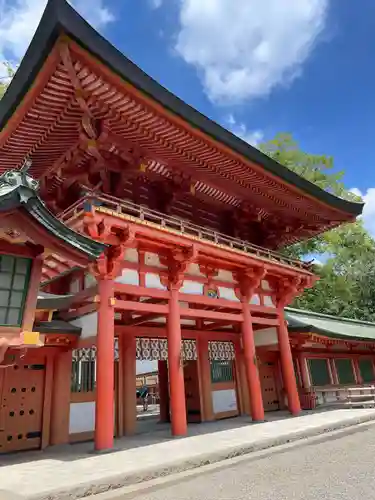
x=342 y=468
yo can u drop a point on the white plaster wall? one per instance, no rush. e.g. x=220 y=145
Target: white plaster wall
x=88 y=323
x=152 y=259
x=153 y=281
x=192 y=287
x=131 y=255
x=128 y=277
x=255 y=300
x=227 y=293
x=265 y=285
x=268 y=301
x=223 y=401
x=193 y=270
x=82 y=417
x=224 y=275
x=268 y=336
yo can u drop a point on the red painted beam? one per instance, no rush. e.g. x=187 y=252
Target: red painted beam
x=198 y=313
x=128 y=305
x=141 y=291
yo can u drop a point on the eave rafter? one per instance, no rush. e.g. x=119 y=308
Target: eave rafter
x=81 y=101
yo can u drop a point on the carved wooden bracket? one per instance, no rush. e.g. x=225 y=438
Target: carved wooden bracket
x=109 y=264
x=289 y=288
x=177 y=261
x=249 y=280
x=209 y=271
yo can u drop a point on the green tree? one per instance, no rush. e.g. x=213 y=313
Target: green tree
x=347 y=278
x=4 y=80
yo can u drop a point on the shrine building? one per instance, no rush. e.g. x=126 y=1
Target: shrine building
x=132 y=227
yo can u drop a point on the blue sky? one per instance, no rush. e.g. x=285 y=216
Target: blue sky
x=257 y=67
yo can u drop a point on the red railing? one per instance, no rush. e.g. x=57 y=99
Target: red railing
x=184 y=227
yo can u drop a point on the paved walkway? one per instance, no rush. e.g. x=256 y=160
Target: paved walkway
x=74 y=471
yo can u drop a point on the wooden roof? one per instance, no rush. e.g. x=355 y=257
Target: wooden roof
x=24 y=218
x=75 y=96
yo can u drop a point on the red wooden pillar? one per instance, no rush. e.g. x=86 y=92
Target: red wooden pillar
x=176 y=372
x=287 y=368
x=204 y=370
x=333 y=371
x=252 y=374
x=163 y=391
x=305 y=378
x=357 y=373
x=128 y=352
x=60 y=405
x=104 y=408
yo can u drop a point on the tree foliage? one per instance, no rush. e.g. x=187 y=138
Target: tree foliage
x=7 y=76
x=347 y=273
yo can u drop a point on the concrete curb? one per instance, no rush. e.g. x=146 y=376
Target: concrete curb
x=116 y=481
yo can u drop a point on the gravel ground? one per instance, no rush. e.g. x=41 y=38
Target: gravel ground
x=340 y=468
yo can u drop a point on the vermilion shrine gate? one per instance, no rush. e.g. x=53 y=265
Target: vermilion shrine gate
x=187 y=219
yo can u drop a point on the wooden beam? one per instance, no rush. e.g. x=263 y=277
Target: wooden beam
x=198 y=313
x=141 y=291
x=128 y=305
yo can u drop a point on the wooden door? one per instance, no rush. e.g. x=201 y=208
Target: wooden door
x=268 y=384
x=21 y=407
x=193 y=405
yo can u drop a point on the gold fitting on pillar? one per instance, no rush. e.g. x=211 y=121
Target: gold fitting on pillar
x=112 y=301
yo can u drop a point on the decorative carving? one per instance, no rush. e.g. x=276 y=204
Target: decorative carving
x=221 y=351
x=20 y=180
x=177 y=262
x=108 y=265
x=153 y=349
x=289 y=288
x=209 y=271
x=249 y=280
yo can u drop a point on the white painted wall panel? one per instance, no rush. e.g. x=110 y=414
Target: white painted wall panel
x=152 y=259
x=223 y=401
x=224 y=275
x=128 y=277
x=193 y=270
x=88 y=323
x=82 y=417
x=227 y=293
x=268 y=301
x=192 y=287
x=153 y=281
x=267 y=336
x=131 y=255
x=255 y=300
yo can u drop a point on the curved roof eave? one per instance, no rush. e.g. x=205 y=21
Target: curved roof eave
x=59 y=17
x=22 y=195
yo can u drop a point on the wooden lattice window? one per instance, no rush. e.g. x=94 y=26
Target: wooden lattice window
x=345 y=371
x=366 y=370
x=221 y=371
x=84 y=370
x=319 y=372
x=14 y=285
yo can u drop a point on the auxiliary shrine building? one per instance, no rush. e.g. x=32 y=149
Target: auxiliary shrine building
x=132 y=227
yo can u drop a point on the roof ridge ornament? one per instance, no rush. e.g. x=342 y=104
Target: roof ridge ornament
x=19 y=180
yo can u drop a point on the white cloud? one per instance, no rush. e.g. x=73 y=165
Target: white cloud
x=19 y=20
x=253 y=137
x=368 y=214
x=244 y=48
